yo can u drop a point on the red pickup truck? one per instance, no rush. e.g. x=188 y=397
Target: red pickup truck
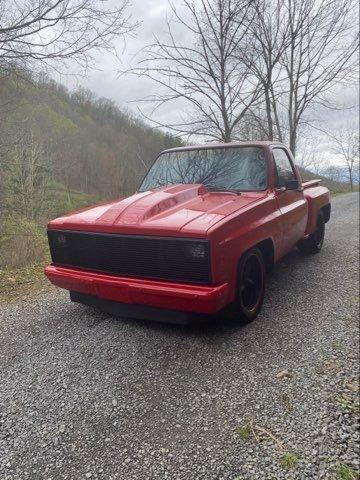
x=197 y=238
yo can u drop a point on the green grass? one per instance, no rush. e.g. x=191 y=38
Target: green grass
x=289 y=460
x=347 y=404
x=22 y=242
x=61 y=200
x=244 y=432
x=23 y=282
x=344 y=472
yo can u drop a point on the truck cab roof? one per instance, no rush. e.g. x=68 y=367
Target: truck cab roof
x=226 y=145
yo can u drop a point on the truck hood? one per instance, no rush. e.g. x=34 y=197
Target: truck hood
x=177 y=210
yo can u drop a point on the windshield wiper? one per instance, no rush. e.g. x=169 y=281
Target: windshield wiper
x=218 y=189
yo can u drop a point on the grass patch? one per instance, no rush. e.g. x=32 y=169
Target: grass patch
x=22 y=242
x=347 y=404
x=344 y=472
x=259 y=434
x=23 y=254
x=289 y=460
x=356 y=299
x=244 y=433
x=22 y=282
x=61 y=200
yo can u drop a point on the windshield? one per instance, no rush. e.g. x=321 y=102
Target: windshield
x=219 y=169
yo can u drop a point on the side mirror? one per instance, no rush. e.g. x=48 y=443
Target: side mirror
x=292 y=185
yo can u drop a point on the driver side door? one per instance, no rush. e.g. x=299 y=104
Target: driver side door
x=291 y=202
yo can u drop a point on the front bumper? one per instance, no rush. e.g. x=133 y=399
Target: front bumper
x=206 y=299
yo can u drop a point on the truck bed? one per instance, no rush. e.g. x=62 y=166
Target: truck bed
x=310 y=183
x=318 y=198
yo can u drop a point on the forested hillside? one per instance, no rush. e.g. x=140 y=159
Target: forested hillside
x=333 y=185
x=59 y=151
x=54 y=139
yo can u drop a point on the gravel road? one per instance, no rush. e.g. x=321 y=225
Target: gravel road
x=85 y=395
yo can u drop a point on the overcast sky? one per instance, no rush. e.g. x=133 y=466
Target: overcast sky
x=106 y=81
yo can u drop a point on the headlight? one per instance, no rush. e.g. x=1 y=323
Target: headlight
x=196 y=251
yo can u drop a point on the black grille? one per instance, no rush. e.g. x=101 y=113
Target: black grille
x=138 y=256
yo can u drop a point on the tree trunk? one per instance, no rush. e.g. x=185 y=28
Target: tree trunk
x=227 y=132
x=292 y=140
x=351 y=180
x=270 y=128
x=276 y=116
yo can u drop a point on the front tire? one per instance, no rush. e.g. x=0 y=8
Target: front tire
x=250 y=288
x=313 y=244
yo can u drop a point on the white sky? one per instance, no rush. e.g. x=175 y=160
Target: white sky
x=106 y=81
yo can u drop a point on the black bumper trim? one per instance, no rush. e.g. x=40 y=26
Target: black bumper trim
x=142 y=312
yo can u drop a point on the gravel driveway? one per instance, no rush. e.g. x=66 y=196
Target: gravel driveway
x=85 y=395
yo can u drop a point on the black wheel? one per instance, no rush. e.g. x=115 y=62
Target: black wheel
x=250 y=288
x=314 y=243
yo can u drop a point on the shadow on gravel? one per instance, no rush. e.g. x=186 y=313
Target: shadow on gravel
x=280 y=278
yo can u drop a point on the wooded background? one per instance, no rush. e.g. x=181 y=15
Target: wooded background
x=242 y=69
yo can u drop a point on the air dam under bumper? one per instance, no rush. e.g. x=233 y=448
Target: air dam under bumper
x=205 y=299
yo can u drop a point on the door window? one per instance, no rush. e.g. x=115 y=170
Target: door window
x=283 y=168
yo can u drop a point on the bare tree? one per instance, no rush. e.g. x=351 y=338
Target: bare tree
x=333 y=173
x=269 y=39
x=308 y=157
x=301 y=50
x=39 y=32
x=26 y=175
x=204 y=70
x=321 y=53
x=346 y=147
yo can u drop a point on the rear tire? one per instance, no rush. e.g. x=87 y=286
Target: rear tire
x=250 y=288
x=313 y=244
